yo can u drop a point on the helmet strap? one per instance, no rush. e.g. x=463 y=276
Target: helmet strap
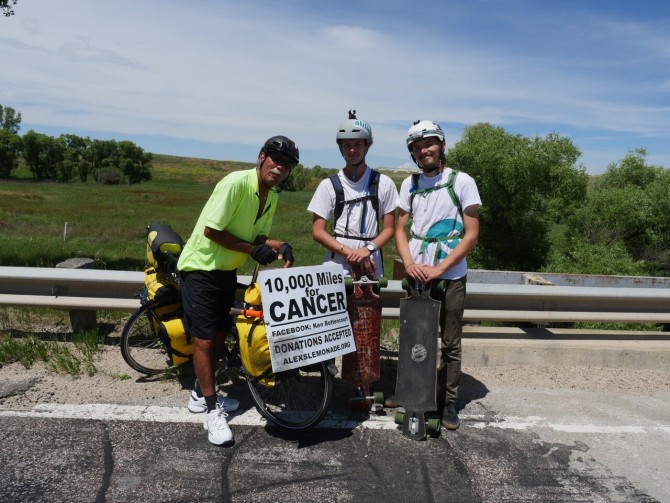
x=358 y=164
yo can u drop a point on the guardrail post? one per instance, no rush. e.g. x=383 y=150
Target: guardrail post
x=80 y=319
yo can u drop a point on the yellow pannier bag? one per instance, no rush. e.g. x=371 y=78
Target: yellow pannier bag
x=254 y=347
x=161 y=286
x=179 y=345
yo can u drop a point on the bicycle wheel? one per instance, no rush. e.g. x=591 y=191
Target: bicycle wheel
x=141 y=347
x=298 y=400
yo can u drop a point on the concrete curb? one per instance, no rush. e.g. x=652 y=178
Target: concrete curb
x=634 y=354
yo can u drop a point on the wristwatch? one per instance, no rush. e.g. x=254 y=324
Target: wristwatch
x=371 y=247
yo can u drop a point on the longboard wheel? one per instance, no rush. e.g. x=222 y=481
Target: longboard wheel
x=434 y=424
x=383 y=282
x=405 y=285
x=399 y=417
x=378 y=397
x=348 y=285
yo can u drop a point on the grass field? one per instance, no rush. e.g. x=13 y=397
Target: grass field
x=42 y=224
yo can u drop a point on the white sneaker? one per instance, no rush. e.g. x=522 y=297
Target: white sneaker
x=196 y=404
x=217 y=427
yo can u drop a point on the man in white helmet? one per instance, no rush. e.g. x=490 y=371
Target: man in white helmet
x=358 y=201
x=443 y=206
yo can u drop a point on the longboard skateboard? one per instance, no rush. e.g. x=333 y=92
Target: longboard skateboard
x=416 y=383
x=362 y=367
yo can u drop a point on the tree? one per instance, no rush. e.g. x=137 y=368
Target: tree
x=44 y=156
x=526 y=185
x=588 y=258
x=631 y=171
x=133 y=162
x=33 y=145
x=298 y=180
x=115 y=162
x=10 y=150
x=76 y=155
x=627 y=209
x=657 y=249
x=612 y=215
x=6 y=7
x=9 y=119
x=102 y=153
x=69 y=155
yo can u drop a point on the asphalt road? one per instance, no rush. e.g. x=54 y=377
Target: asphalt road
x=514 y=444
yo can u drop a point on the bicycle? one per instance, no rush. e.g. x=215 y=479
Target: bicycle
x=294 y=399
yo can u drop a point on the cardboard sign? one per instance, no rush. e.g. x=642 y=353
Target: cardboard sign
x=305 y=312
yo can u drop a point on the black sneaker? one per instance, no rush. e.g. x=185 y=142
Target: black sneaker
x=450 y=417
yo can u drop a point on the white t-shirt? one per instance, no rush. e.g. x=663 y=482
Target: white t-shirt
x=349 y=223
x=434 y=215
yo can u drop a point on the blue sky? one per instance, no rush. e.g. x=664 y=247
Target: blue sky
x=214 y=79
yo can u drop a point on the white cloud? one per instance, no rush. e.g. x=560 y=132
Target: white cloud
x=236 y=73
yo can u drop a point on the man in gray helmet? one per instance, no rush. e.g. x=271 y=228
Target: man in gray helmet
x=443 y=207
x=234 y=224
x=359 y=202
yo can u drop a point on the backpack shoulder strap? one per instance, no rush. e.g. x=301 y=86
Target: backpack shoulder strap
x=374 y=190
x=452 y=192
x=373 y=194
x=413 y=190
x=413 y=186
x=339 y=197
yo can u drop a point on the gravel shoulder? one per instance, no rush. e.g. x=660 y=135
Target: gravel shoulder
x=115 y=382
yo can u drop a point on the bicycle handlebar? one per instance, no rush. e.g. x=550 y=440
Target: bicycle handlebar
x=248 y=313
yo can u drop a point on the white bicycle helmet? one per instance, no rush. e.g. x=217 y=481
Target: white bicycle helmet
x=423 y=129
x=354 y=129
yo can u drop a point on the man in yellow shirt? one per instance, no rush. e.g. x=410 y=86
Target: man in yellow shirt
x=234 y=224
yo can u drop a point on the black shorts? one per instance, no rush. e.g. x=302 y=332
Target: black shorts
x=207 y=297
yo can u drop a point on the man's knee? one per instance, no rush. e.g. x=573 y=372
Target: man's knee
x=204 y=345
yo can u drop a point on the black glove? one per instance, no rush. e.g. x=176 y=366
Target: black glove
x=286 y=251
x=263 y=254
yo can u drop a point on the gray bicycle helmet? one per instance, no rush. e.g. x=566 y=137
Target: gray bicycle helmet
x=354 y=129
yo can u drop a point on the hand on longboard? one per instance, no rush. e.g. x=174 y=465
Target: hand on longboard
x=360 y=259
x=424 y=273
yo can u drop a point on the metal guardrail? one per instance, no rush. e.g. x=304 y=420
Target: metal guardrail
x=90 y=289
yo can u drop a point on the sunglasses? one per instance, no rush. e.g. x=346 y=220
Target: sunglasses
x=285 y=161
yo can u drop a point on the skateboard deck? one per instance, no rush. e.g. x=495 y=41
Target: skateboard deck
x=363 y=366
x=416 y=383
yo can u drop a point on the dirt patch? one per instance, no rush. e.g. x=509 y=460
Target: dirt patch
x=115 y=382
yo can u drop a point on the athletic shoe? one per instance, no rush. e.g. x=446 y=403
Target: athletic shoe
x=196 y=404
x=217 y=427
x=450 y=417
